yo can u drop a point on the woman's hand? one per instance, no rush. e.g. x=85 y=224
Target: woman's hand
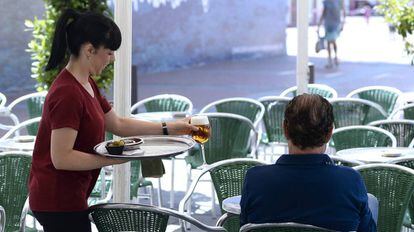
x=181 y=127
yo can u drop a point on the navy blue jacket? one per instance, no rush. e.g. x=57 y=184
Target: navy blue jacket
x=307 y=189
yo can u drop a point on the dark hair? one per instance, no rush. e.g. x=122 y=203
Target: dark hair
x=308 y=121
x=73 y=29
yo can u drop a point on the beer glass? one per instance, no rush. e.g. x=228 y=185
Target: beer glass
x=203 y=134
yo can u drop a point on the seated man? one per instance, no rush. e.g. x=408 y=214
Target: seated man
x=305 y=186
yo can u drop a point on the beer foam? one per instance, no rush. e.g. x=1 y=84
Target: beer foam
x=199 y=120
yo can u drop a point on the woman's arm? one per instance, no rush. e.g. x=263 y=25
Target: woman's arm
x=64 y=157
x=123 y=126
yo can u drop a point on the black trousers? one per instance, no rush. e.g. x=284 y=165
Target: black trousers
x=64 y=221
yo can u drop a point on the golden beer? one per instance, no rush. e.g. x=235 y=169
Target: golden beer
x=203 y=133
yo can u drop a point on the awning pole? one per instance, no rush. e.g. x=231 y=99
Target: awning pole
x=122 y=91
x=302 y=19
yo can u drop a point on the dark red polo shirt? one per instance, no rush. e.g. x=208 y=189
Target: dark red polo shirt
x=67 y=104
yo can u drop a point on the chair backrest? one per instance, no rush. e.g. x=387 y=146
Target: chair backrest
x=384 y=96
x=362 y=136
x=353 y=111
x=228 y=178
x=282 y=227
x=273 y=117
x=164 y=102
x=34 y=104
x=403 y=130
x=408 y=111
x=246 y=107
x=3 y=100
x=34 y=122
x=409 y=163
x=393 y=185
x=2 y=219
x=136 y=217
x=230 y=138
x=14 y=175
x=320 y=89
x=345 y=162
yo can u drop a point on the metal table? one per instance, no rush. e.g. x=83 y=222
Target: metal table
x=232 y=205
x=376 y=154
x=19 y=143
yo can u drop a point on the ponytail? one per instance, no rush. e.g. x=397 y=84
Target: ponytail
x=59 y=45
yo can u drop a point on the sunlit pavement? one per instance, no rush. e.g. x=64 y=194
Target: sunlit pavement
x=368 y=54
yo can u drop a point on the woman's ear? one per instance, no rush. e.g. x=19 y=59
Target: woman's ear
x=88 y=50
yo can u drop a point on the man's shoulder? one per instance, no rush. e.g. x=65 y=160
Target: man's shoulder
x=260 y=170
x=346 y=172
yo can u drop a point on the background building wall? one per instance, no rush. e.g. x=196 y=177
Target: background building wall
x=14 y=60
x=165 y=38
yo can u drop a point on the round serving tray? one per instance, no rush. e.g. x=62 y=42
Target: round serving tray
x=152 y=147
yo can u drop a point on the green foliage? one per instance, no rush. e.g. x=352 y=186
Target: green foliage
x=400 y=14
x=40 y=45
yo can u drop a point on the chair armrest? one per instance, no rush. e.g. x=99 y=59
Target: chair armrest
x=2 y=219
x=26 y=209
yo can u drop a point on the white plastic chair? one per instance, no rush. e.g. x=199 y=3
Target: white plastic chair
x=408 y=112
x=362 y=136
x=3 y=100
x=403 y=129
x=20 y=126
x=354 y=111
x=321 y=89
x=164 y=102
x=34 y=107
x=385 y=96
x=256 y=118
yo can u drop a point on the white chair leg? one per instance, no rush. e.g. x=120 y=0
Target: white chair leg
x=188 y=225
x=152 y=195
x=213 y=201
x=172 y=184
x=159 y=193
